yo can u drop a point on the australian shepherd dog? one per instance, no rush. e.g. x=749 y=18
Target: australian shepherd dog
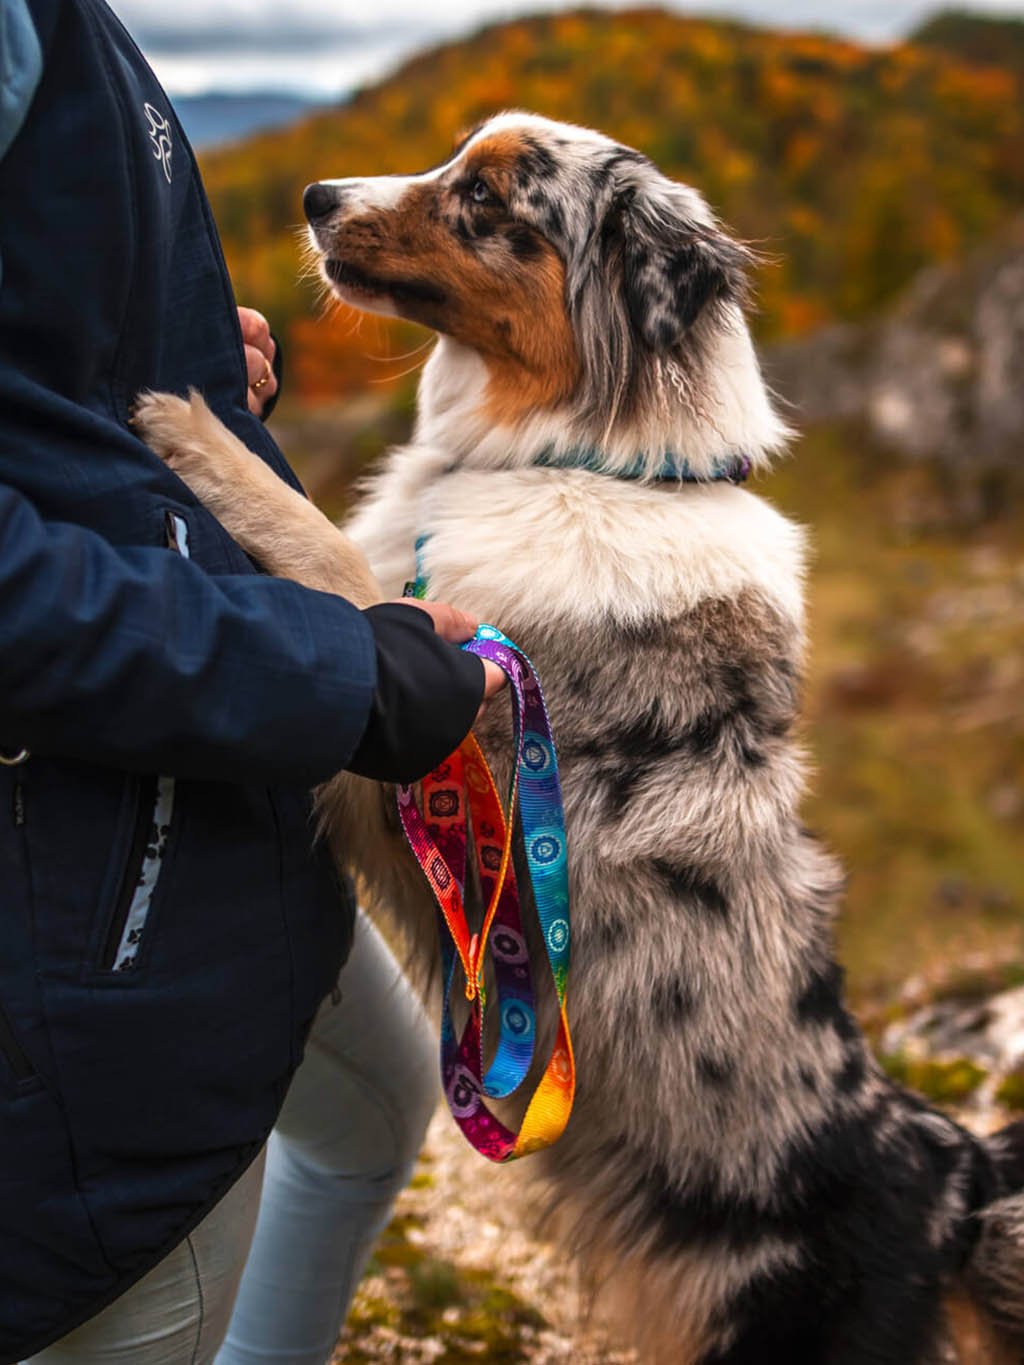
x=739 y=1180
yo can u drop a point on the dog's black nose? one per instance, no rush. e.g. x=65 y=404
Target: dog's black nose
x=318 y=200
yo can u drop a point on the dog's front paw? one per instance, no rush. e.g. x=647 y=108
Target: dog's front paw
x=169 y=425
x=188 y=437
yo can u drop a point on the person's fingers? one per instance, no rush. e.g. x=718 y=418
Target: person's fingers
x=256 y=331
x=451 y=624
x=494 y=679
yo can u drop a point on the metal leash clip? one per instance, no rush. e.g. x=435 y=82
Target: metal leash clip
x=13 y=760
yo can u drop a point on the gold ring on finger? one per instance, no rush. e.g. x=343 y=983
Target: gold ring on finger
x=267 y=377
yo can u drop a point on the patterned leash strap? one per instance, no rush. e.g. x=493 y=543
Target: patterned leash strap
x=461 y=805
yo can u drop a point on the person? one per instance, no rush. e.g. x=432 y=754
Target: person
x=171 y=930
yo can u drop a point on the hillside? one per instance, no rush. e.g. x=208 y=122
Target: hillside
x=985 y=39
x=852 y=166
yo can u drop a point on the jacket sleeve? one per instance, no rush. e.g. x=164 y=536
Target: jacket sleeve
x=137 y=659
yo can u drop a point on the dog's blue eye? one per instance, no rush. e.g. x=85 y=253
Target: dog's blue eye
x=480 y=193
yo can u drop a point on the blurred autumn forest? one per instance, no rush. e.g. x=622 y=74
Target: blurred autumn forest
x=885 y=186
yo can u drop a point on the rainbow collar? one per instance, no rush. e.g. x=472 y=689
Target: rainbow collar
x=676 y=468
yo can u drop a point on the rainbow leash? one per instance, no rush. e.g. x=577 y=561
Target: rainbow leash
x=461 y=803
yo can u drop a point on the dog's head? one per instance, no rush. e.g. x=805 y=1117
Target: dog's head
x=588 y=283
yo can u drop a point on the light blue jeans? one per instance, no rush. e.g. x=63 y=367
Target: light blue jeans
x=268 y=1276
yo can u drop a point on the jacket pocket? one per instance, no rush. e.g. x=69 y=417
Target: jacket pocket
x=154 y=810
x=11 y=1050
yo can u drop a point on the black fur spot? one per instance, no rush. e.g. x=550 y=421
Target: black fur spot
x=580 y=681
x=646 y=738
x=705 y=734
x=687 y=884
x=622 y=784
x=625 y=156
x=716 y=1071
x=525 y=244
x=610 y=935
x=820 y=1000
x=671 y=1001
x=535 y=163
x=1007 y=1148
x=851 y=1074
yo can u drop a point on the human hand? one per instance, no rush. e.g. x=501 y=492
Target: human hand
x=457 y=627
x=260 y=349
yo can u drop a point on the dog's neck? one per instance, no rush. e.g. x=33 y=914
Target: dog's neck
x=734 y=420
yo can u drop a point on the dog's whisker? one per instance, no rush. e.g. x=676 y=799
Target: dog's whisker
x=406 y=355
x=392 y=378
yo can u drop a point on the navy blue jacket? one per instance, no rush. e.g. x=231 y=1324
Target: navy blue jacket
x=167 y=929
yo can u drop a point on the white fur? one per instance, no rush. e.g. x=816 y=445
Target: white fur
x=502 y=541
x=379 y=191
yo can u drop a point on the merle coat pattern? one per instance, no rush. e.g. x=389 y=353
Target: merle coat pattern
x=739 y=1180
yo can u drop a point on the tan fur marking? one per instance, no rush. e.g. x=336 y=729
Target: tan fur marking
x=511 y=311
x=631 y=1295
x=975 y=1339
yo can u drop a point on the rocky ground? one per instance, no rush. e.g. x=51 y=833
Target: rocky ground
x=457 y=1279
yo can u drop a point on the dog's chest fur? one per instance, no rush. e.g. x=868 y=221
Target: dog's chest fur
x=540 y=544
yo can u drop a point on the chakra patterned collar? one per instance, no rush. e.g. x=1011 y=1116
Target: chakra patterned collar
x=676 y=468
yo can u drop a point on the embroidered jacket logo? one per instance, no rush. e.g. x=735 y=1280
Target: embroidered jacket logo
x=160 y=136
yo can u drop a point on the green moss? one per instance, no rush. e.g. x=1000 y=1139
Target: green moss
x=978 y=984
x=434 y=1285
x=949 y=1082
x=368 y=1312
x=476 y=1316
x=1011 y=1091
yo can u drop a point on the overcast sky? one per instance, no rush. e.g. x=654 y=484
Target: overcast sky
x=327 y=46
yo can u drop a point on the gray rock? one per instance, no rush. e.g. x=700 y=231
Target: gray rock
x=989 y=1033
x=941 y=377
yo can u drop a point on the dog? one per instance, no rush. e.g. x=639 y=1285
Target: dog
x=739 y=1181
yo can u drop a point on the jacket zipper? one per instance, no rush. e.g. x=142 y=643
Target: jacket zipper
x=144 y=814
x=17 y=1058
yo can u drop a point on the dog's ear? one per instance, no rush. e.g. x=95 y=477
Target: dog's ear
x=676 y=261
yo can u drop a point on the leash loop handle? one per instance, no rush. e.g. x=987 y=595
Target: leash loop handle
x=461 y=804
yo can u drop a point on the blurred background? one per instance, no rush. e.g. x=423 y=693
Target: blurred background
x=877 y=157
